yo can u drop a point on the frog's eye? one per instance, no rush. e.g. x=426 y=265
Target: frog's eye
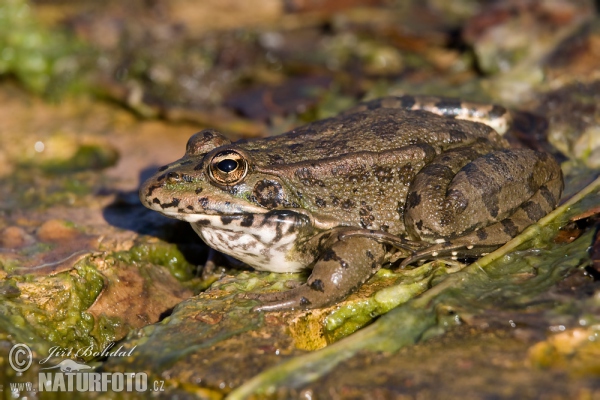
x=228 y=167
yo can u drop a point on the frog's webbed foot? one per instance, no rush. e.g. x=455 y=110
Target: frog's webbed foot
x=341 y=269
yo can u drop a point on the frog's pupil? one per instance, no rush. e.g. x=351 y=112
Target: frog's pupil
x=227 y=165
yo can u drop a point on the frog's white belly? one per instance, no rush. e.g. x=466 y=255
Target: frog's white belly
x=262 y=246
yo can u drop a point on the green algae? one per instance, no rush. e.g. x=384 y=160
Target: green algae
x=500 y=278
x=52 y=309
x=87 y=157
x=349 y=318
x=45 y=61
x=163 y=254
x=42 y=185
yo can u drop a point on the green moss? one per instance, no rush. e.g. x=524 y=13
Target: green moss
x=87 y=157
x=44 y=61
x=167 y=255
x=408 y=284
x=53 y=308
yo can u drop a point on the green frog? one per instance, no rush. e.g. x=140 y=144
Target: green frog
x=399 y=177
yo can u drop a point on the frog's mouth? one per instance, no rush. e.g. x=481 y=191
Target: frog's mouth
x=191 y=208
x=245 y=220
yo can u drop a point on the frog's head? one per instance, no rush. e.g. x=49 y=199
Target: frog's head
x=215 y=177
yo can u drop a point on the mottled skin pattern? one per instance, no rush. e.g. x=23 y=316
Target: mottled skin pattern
x=417 y=177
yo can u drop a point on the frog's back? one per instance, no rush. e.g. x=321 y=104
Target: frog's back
x=376 y=131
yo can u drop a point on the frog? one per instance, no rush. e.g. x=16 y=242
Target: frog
x=409 y=178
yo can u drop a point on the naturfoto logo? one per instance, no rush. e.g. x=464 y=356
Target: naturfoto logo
x=69 y=375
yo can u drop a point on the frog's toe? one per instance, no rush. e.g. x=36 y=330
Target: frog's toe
x=447 y=249
x=299 y=298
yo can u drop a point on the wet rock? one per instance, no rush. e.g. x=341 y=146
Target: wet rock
x=14 y=237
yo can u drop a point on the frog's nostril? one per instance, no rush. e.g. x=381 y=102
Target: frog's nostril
x=173 y=177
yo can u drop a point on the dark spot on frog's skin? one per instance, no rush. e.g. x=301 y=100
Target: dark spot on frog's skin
x=439 y=171
x=198 y=190
x=491 y=203
x=348 y=204
x=496 y=112
x=199 y=167
x=400 y=209
x=482 y=234
x=369 y=255
x=533 y=210
x=164 y=167
x=155 y=201
x=151 y=189
x=173 y=203
x=160 y=178
x=317 y=285
x=474 y=175
x=295 y=205
x=510 y=228
x=203 y=222
x=186 y=162
x=500 y=165
x=330 y=255
x=208 y=134
x=364 y=222
x=405 y=176
x=268 y=193
x=457 y=136
x=299 y=194
x=374 y=265
x=419 y=224
x=457 y=200
x=546 y=194
x=203 y=202
x=407 y=102
x=190 y=208
x=304 y=302
x=385 y=227
x=275 y=159
x=531 y=180
x=447 y=106
x=383 y=174
x=320 y=202
x=335 y=201
x=226 y=219
x=247 y=220
x=413 y=200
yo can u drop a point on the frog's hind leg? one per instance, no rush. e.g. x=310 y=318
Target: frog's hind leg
x=450 y=197
x=488 y=239
x=495 y=116
x=345 y=266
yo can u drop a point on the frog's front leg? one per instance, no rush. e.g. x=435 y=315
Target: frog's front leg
x=340 y=270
